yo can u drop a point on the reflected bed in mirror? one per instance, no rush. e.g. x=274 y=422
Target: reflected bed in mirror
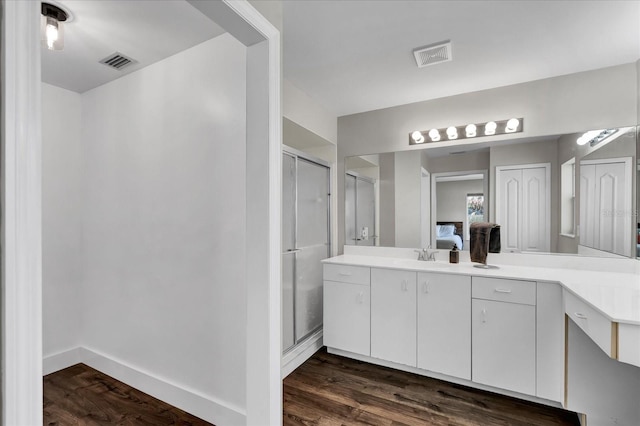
x=542 y=191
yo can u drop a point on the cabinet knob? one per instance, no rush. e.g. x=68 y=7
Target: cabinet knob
x=404 y=285
x=484 y=315
x=360 y=297
x=425 y=287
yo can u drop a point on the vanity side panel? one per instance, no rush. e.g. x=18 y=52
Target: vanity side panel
x=549 y=342
x=629 y=344
x=605 y=389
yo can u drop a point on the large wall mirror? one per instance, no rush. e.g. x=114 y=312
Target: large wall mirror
x=576 y=193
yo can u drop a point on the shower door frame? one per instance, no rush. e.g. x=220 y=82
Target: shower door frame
x=297 y=154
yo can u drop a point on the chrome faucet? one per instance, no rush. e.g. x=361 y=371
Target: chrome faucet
x=425 y=254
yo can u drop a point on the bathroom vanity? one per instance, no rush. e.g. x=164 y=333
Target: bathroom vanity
x=509 y=330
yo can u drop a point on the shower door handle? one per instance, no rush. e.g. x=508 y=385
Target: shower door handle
x=292 y=251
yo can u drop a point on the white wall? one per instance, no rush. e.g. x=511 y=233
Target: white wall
x=387 y=203
x=163 y=222
x=300 y=108
x=408 y=183
x=62 y=254
x=164 y=219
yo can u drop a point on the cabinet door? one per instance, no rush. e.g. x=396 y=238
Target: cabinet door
x=346 y=312
x=393 y=316
x=504 y=345
x=444 y=324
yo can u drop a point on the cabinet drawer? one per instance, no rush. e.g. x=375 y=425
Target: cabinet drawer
x=501 y=290
x=594 y=324
x=347 y=273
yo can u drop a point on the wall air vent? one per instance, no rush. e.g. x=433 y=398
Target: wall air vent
x=433 y=54
x=118 y=61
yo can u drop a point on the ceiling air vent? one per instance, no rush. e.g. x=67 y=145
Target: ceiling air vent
x=118 y=61
x=433 y=54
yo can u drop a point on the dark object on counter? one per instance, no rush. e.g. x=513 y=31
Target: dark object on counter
x=454 y=255
x=484 y=239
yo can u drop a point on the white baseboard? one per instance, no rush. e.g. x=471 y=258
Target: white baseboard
x=204 y=406
x=298 y=355
x=61 y=360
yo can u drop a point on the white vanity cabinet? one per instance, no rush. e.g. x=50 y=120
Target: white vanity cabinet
x=444 y=324
x=393 y=315
x=504 y=334
x=347 y=308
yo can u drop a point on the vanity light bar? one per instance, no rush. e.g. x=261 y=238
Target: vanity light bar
x=490 y=128
x=594 y=137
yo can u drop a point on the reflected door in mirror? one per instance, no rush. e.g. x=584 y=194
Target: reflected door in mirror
x=605 y=212
x=360 y=225
x=523 y=194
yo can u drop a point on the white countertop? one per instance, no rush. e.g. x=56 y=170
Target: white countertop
x=614 y=294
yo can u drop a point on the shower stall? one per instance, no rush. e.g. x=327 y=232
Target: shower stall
x=305 y=242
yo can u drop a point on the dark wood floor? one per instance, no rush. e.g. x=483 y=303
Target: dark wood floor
x=332 y=390
x=325 y=390
x=80 y=395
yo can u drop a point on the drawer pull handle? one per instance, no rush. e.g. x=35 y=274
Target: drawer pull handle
x=345 y=274
x=425 y=287
x=484 y=315
x=360 y=298
x=581 y=315
x=502 y=290
x=403 y=286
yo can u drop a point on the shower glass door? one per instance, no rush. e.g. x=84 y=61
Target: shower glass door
x=305 y=242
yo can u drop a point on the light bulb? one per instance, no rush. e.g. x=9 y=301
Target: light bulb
x=417 y=137
x=470 y=130
x=512 y=125
x=51 y=32
x=434 y=134
x=452 y=133
x=490 y=128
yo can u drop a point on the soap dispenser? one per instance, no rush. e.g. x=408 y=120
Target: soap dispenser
x=454 y=254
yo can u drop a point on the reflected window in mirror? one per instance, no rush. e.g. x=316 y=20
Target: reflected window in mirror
x=475 y=210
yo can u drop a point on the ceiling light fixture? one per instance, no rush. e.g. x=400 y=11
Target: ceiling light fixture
x=52 y=27
x=594 y=137
x=471 y=130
